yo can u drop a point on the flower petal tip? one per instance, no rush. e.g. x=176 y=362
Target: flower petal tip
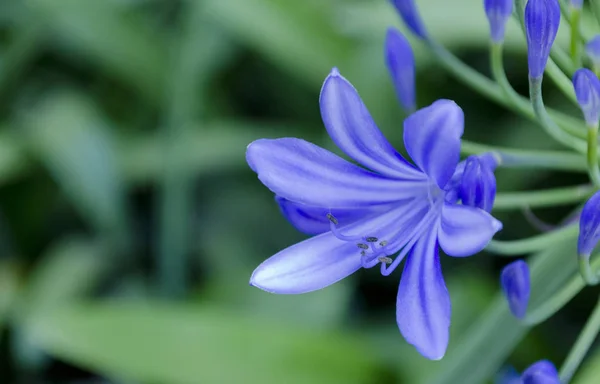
x=335 y=72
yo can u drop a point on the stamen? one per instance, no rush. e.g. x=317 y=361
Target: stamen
x=383 y=243
x=371 y=239
x=385 y=260
x=362 y=246
x=332 y=218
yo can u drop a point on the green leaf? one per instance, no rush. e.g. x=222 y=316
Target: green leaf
x=174 y=344
x=73 y=141
x=102 y=34
x=477 y=354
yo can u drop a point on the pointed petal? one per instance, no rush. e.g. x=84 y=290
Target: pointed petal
x=307 y=266
x=432 y=139
x=465 y=230
x=542 y=372
x=322 y=260
x=352 y=128
x=423 y=304
x=305 y=173
x=516 y=285
x=313 y=220
x=400 y=62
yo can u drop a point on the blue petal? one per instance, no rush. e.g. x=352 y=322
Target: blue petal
x=409 y=13
x=542 y=372
x=542 y=18
x=313 y=220
x=432 y=139
x=352 y=128
x=589 y=226
x=423 y=304
x=400 y=61
x=322 y=260
x=478 y=184
x=592 y=48
x=305 y=173
x=587 y=91
x=515 y=282
x=464 y=230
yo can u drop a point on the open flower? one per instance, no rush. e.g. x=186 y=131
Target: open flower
x=364 y=217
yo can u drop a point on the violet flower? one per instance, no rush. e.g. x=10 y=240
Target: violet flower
x=541 y=372
x=364 y=217
x=498 y=12
x=592 y=48
x=515 y=282
x=400 y=62
x=589 y=226
x=409 y=13
x=542 y=18
x=587 y=92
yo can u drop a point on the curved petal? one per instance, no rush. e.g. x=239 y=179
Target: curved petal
x=542 y=372
x=305 y=173
x=423 y=305
x=313 y=220
x=320 y=261
x=307 y=266
x=432 y=139
x=465 y=230
x=400 y=62
x=352 y=128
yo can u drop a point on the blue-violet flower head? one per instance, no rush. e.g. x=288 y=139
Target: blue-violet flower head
x=409 y=13
x=589 y=226
x=400 y=61
x=515 y=283
x=498 y=12
x=362 y=217
x=542 y=18
x=587 y=91
x=592 y=48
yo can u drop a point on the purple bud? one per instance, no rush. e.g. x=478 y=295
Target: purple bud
x=515 y=285
x=400 y=61
x=587 y=91
x=589 y=226
x=592 y=48
x=498 y=12
x=542 y=372
x=408 y=11
x=542 y=18
x=577 y=4
x=478 y=183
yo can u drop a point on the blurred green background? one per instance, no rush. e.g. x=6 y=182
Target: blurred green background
x=130 y=222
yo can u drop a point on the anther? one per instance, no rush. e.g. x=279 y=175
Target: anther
x=383 y=243
x=371 y=239
x=362 y=246
x=332 y=218
x=385 y=260
x=363 y=253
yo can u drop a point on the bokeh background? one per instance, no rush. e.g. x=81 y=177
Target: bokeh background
x=130 y=222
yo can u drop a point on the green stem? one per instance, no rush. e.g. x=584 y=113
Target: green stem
x=586 y=271
x=575 y=37
x=521 y=158
x=532 y=244
x=535 y=95
x=595 y=5
x=556 y=302
x=544 y=198
x=492 y=91
x=500 y=77
x=581 y=347
x=592 y=155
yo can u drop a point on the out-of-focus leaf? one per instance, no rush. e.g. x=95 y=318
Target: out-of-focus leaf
x=73 y=141
x=589 y=371
x=100 y=32
x=155 y=342
x=67 y=272
x=477 y=354
x=298 y=35
x=10 y=280
x=13 y=161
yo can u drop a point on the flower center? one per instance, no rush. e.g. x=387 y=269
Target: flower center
x=407 y=229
